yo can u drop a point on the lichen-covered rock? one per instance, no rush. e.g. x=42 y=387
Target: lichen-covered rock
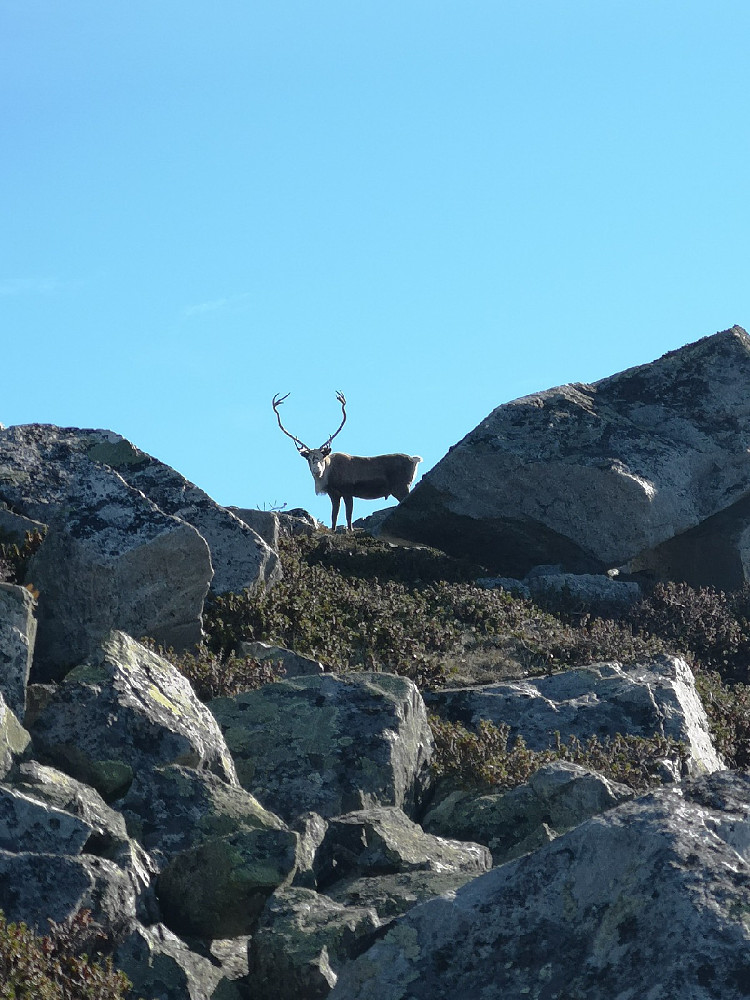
x=29 y=825
x=17 y=635
x=241 y=558
x=35 y=887
x=385 y=841
x=263 y=522
x=219 y=888
x=125 y=709
x=130 y=544
x=654 y=697
x=648 y=900
x=169 y=809
x=311 y=829
x=556 y=798
x=110 y=558
x=60 y=791
x=162 y=967
x=594 y=476
x=330 y=744
x=301 y=940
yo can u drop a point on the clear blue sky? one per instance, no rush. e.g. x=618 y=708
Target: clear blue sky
x=433 y=206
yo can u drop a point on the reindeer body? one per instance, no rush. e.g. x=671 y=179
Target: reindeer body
x=344 y=477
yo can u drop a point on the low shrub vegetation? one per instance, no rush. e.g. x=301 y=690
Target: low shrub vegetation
x=357 y=603
x=14 y=558
x=328 y=606
x=56 y=966
x=218 y=675
x=484 y=758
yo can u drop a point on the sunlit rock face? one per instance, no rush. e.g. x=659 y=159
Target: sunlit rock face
x=130 y=543
x=599 y=476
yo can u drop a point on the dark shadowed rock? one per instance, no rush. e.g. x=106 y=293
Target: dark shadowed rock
x=17 y=636
x=162 y=967
x=330 y=744
x=15 y=527
x=648 y=900
x=219 y=888
x=596 y=476
x=35 y=887
x=172 y=808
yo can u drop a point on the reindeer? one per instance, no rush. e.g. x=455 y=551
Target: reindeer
x=348 y=476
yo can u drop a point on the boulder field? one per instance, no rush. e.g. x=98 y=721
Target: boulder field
x=293 y=842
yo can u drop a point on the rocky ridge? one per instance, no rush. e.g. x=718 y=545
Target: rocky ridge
x=292 y=841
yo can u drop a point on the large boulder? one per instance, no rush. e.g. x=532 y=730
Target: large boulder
x=110 y=558
x=130 y=543
x=124 y=709
x=657 y=697
x=330 y=744
x=240 y=557
x=597 y=476
x=648 y=900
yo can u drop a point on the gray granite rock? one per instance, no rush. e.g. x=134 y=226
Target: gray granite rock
x=330 y=744
x=596 y=476
x=648 y=900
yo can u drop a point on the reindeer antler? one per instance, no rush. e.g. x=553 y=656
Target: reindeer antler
x=342 y=399
x=275 y=403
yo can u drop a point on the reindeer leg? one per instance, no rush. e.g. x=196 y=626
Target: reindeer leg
x=335 y=503
x=349 y=505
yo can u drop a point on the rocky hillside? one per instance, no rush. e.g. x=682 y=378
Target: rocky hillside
x=241 y=757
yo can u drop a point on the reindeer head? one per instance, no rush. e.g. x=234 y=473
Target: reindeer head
x=315 y=457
